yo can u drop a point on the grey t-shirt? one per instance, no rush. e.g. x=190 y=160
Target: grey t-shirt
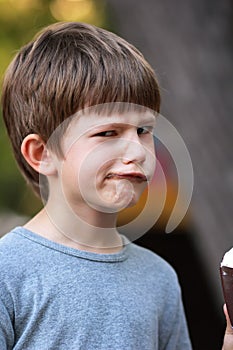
x=53 y=297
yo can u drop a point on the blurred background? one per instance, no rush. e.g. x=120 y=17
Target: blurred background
x=189 y=44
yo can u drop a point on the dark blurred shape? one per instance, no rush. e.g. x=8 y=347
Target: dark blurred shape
x=189 y=44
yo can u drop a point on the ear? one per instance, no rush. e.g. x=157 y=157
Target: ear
x=37 y=155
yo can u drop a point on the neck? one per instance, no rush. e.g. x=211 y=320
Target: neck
x=85 y=228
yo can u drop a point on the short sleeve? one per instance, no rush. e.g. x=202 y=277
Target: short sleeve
x=179 y=337
x=175 y=335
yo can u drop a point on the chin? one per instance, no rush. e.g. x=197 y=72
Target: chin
x=114 y=207
x=112 y=202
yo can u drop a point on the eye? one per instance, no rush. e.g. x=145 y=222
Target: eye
x=106 y=133
x=144 y=130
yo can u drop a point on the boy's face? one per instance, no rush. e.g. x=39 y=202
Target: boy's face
x=108 y=160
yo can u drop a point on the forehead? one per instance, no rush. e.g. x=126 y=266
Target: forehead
x=82 y=123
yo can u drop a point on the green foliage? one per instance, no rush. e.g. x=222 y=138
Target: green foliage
x=19 y=21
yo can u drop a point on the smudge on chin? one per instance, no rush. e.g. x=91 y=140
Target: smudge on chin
x=120 y=193
x=124 y=191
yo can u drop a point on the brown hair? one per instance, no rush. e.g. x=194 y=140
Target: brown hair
x=69 y=66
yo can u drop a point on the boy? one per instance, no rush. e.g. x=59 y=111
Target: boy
x=79 y=105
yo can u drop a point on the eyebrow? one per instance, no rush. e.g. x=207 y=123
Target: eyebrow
x=145 y=122
x=148 y=120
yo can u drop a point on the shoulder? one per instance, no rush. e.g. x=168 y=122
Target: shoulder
x=11 y=264
x=157 y=276
x=8 y=244
x=16 y=252
x=152 y=264
x=149 y=257
x=11 y=242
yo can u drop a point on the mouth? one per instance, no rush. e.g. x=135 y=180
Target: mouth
x=133 y=176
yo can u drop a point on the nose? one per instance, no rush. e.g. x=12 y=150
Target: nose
x=133 y=151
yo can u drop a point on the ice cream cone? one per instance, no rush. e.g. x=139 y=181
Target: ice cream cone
x=226 y=273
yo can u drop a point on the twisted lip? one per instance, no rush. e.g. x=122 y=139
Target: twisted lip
x=132 y=176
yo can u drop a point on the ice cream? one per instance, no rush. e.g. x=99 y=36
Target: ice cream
x=228 y=259
x=226 y=272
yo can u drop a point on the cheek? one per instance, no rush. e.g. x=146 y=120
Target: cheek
x=98 y=159
x=88 y=169
x=150 y=159
x=69 y=177
x=70 y=167
x=152 y=163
